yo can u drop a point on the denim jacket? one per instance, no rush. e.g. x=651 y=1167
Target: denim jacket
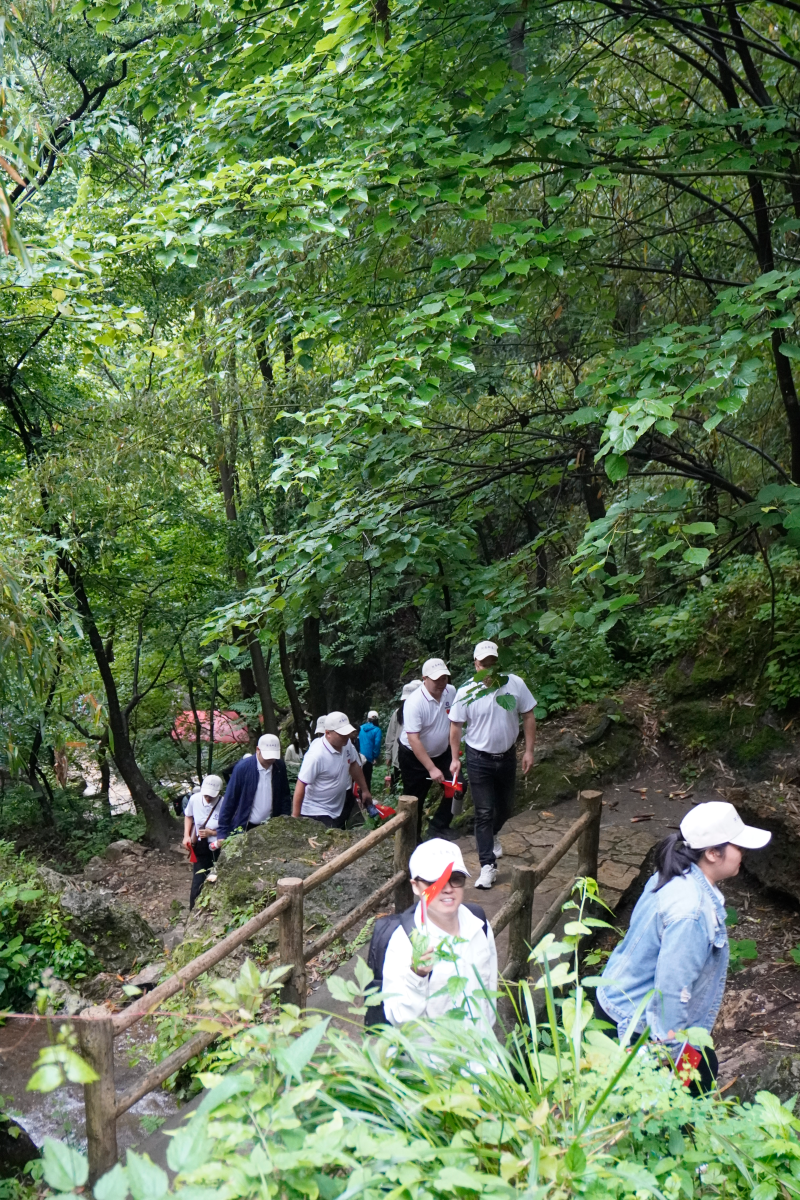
x=677 y=945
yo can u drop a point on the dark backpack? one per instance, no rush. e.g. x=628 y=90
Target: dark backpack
x=381 y=936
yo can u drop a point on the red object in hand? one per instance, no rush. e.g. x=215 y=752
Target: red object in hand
x=192 y=855
x=688 y=1061
x=385 y=811
x=433 y=891
x=452 y=787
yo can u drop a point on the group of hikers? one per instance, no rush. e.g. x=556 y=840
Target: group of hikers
x=668 y=973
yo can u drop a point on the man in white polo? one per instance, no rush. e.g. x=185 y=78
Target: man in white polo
x=492 y=732
x=330 y=764
x=424 y=750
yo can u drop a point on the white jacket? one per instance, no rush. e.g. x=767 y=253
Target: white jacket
x=410 y=996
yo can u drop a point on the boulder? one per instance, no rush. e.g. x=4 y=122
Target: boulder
x=53 y=881
x=114 y=851
x=97 y=869
x=16 y=1150
x=116 y=933
x=777 y=808
x=251 y=864
x=149 y=975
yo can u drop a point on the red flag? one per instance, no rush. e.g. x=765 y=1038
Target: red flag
x=433 y=891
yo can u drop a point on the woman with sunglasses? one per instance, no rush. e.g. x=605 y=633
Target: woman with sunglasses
x=461 y=944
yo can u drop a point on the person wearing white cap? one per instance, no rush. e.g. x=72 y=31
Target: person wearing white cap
x=492 y=722
x=676 y=947
x=257 y=790
x=409 y=994
x=369 y=743
x=200 y=821
x=319 y=728
x=424 y=754
x=330 y=764
x=394 y=730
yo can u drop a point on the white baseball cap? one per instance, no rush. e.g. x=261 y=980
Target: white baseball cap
x=270 y=746
x=716 y=822
x=337 y=722
x=410 y=688
x=430 y=859
x=320 y=725
x=212 y=785
x=485 y=650
x=435 y=668
x=373 y=712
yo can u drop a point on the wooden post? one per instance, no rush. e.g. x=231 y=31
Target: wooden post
x=96 y=1041
x=589 y=841
x=523 y=879
x=290 y=942
x=405 y=843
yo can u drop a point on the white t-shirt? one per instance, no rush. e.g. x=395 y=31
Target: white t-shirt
x=411 y=997
x=490 y=727
x=326 y=774
x=199 y=809
x=428 y=717
x=262 y=801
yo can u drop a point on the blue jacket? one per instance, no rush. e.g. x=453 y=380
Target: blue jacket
x=369 y=741
x=241 y=792
x=676 y=947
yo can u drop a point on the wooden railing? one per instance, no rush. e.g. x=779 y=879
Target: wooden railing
x=96 y=1033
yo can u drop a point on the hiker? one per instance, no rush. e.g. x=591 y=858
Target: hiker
x=319 y=728
x=395 y=727
x=424 y=753
x=293 y=757
x=677 y=943
x=328 y=767
x=369 y=743
x=411 y=994
x=200 y=822
x=491 y=755
x=258 y=789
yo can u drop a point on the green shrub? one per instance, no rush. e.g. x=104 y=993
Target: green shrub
x=34 y=934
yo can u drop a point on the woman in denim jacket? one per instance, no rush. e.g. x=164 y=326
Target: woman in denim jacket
x=677 y=944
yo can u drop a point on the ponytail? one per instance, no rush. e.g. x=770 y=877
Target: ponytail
x=400 y=712
x=674 y=857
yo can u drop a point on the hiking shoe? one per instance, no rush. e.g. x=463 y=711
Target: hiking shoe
x=497 y=849
x=487 y=877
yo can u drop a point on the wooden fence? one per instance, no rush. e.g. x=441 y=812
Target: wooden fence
x=96 y=1034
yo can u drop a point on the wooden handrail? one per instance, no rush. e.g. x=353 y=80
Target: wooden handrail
x=364 y=909
x=569 y=839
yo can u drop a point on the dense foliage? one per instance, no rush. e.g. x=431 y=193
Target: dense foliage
x=297 y=1109
x=340 y=332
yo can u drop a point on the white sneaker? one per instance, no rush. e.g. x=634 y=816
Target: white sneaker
x=497 y=848
x=487 y=877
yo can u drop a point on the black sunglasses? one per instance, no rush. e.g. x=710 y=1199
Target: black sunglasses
x=457 y=879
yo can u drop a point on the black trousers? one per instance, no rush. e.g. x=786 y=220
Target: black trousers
x=367 y=769
x=416 y=783
x=707 y=1068
x=492 y=781
x=206 y=857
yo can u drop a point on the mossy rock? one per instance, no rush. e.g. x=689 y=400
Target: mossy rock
x=744 y=735
x=704 y=675
x=288 y=847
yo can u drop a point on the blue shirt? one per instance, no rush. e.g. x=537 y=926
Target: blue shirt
x=369 y=741
x=676 y=947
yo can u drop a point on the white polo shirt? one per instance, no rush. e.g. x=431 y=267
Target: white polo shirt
x=490 y=727
x=262 y=801
x=326 y=774
x=200 y=810
x=428 y=717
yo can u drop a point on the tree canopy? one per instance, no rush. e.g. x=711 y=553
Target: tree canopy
x=335 y=333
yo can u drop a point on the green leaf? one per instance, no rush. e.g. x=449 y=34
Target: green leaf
x=46 y=1078
x=147 y=1180
x=789 y=350
x=114 y=1184
x=188 y=1147
x=794 y=955
x=509 y=703
x=616 y=466
x=293 y=1059
x=64 y=1168
x=698 y=555
x=700 y=527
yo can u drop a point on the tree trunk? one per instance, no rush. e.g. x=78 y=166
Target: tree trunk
x=161 y=827
x=291 y=691
x=261 y=676
x=312 y=659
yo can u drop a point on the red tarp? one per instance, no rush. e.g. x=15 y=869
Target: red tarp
x=228 y=727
